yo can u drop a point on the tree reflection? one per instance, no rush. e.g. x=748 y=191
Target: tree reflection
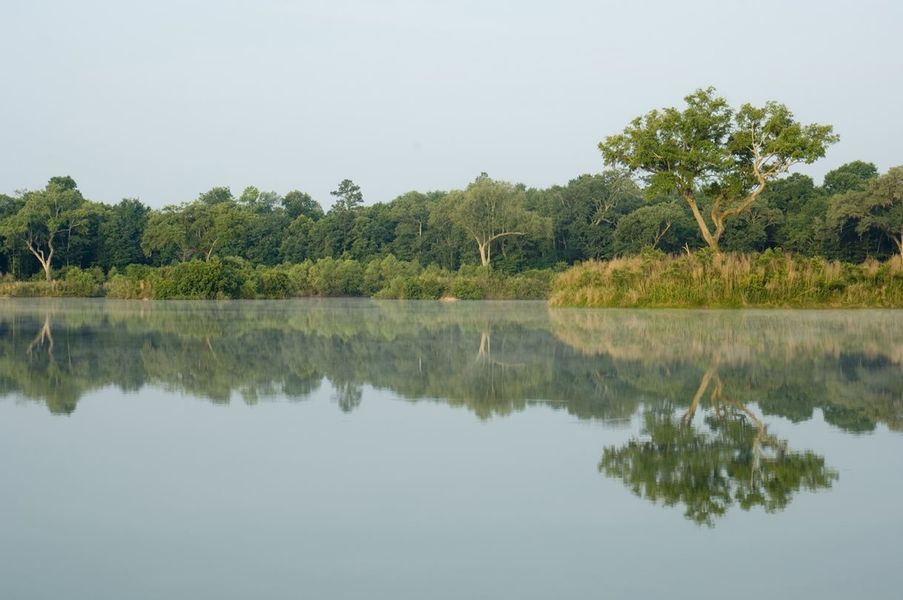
x=490 y=358
x=732 y=459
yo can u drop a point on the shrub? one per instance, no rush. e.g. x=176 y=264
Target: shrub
x=466 y=288
x=77 y=282
x=215 y=279
x=274 y=283
x=336 y=277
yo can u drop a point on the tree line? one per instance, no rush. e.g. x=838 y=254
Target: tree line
x=676 y=180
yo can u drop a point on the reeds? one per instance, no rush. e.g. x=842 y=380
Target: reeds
x=703 y=279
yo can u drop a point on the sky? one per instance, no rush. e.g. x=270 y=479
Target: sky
x=161 y=100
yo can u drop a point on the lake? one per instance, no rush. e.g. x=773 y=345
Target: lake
x=365 y=449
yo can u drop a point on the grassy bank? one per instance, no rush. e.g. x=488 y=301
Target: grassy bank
x=233 y=278
x=771 y=279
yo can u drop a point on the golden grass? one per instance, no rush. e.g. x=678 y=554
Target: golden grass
x=771 y=279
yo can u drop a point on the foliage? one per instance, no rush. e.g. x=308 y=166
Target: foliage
x=659 y=226
x=707 y=471
x=46 y=220
x=489 y=211
x=876 y=208
x=711 y=150
x=490 y=239
x=348 y=195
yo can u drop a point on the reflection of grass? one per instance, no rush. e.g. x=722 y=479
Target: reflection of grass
x=730 y=280
x=734 y=337
x=493 y=358
x=790 y=362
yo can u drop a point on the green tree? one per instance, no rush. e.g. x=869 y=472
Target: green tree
x=585 y=213
x=410 y=214
x=296 y=242
x=298 y=203
x=192 y=230
x=257 y=201
x=878 y=208
x=664 y=225
x=121 y=232
x=489 y=211
x=709 y=150
x=348 y=195
x=217 y=195
x=849 y=177
x=46 y=220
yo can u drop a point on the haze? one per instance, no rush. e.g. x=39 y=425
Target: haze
x=162 y=100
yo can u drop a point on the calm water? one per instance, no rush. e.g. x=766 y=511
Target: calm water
x=356 y=449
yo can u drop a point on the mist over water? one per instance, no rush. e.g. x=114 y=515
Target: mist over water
x=349 y=448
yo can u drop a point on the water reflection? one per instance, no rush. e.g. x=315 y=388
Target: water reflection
x=733 y=459
x=703 y=383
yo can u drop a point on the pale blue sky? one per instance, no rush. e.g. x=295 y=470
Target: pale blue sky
x=161 y=100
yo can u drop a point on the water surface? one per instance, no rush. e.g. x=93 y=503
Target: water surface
x=359 y=449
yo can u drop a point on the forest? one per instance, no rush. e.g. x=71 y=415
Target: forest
x=734 y=193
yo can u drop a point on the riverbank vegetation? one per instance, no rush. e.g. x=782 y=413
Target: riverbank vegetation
x=706 y=279
x=236 y=278
x=678 y=181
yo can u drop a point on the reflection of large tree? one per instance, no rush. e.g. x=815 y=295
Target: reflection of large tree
x=731 y=460
x=490 y=358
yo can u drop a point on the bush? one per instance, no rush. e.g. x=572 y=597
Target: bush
x=336 y=277
x=212 y=280
x=273 y=283
x=77 y=282
x=466 y=288
x=427 y=286
x=380 y=271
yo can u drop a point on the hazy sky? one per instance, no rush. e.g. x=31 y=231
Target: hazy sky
x=161 y=100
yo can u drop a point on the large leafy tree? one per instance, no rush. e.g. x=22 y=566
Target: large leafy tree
x=489 y=211
x=192 y=230
x=664 y=226
x=348 y=195
x=46 y=220
x=876 y=208
x=298 y=203
x=121 y=232
x=849 y=177
x=710 y=151
x=586 y=212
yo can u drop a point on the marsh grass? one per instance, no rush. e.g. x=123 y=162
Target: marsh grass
x=770 y=279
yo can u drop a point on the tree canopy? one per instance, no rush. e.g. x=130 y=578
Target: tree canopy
x=710 y=151
x=47 y=219
x=490 y=211
x=877 y=206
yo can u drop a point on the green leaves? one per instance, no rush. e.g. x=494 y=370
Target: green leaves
x=348 y=195
x=45 y=218
x=490 y=210
x=878 y=207
x=708 y=148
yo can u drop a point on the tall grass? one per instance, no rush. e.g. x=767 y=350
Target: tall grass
x=770 y=279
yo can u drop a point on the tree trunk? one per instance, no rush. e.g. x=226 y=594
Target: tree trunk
x=484 y=253
x=45 y=261
x=687 y=417
x=710 y=239
x=210 y=251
